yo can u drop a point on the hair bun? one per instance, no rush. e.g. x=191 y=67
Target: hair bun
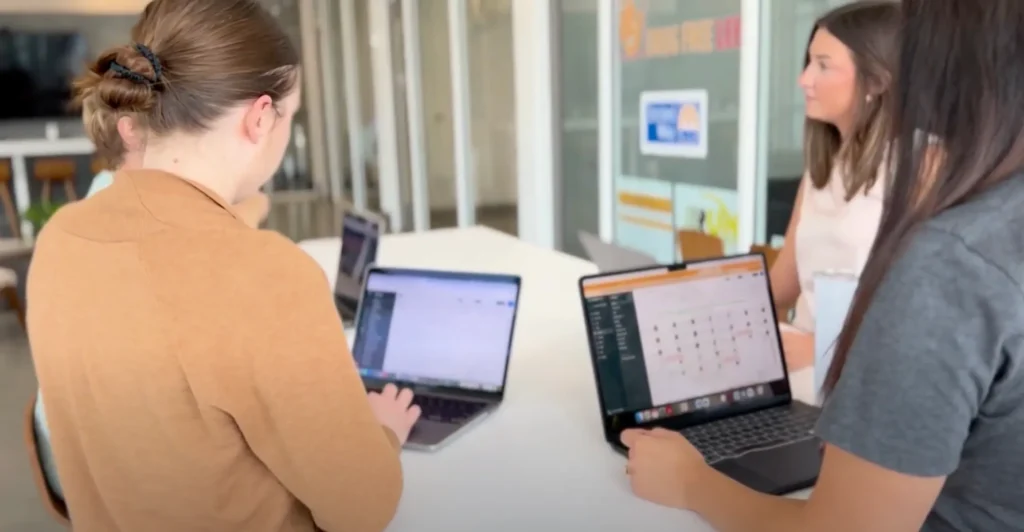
x=122 y=82
x=123 y=79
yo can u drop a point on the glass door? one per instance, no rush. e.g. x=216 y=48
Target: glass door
x=675 y=125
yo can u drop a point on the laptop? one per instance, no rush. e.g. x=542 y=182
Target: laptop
x=695 y=348
x=610 y=257
x=360 y=240
x=446 y=335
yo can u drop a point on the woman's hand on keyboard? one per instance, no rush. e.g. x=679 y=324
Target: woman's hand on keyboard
x=394 y=410
x=662 y=466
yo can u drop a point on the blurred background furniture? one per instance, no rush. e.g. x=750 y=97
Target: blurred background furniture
x=694 y=245
x=6 y=202
x=9 y=293
x=770 y=253
x=55 y=170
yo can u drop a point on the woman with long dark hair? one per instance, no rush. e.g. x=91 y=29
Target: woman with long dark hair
x=924 y=416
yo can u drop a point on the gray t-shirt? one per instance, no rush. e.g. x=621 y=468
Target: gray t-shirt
x=934 y=383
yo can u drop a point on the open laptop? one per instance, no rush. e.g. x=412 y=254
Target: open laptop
x=446 y=335
x=610 y=257
x=695 y=348
x=360 y=240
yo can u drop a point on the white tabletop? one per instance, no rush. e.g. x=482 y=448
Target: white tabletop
x=540 y=462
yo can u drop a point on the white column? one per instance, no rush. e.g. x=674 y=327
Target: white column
x=465 y=168
x=384 y=107
x=533 y=50
x=414 y=115
x=763 y=93
x=313 y=97
x=353 y=102
x=747 y=134
x=332 y=113
x=607 y=50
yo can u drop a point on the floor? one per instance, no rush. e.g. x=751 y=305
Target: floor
x=20 y=508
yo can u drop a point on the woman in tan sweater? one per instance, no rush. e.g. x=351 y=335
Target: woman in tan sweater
x=195 y=370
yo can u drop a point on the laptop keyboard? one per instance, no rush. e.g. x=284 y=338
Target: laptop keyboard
x=731 y=437
x=447 y=410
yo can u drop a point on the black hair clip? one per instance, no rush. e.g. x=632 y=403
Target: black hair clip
x=124 y=72
x=153 y=61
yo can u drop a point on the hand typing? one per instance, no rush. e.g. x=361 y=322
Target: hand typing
x=394 y=410
x=662 y=466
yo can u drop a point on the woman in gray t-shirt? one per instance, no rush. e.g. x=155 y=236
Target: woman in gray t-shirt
x=924 y=418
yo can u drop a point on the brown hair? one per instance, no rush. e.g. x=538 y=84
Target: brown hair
x=868 y=30
x=190 y=61
x=958 y=124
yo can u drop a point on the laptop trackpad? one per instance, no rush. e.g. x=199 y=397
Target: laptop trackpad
x=784 y=469
x=428 y=433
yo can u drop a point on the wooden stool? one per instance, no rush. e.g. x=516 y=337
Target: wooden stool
x=770 y=256
x=695 y=245
x=770 y=253
x=9 y=293
x=50 y=170
x=5 y=199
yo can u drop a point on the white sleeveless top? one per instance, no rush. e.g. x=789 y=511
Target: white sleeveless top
x=833 y=235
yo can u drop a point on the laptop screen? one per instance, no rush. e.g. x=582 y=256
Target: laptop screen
x=359 y=241
x=684 y=340
x=442 y=329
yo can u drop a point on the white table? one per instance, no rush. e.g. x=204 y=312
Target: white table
x=18 y=150
x=540 y=462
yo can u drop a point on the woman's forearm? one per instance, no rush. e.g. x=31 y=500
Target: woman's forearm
x=730 y=506
x=784 y=277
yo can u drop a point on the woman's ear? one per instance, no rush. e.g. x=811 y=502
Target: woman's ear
x=259 y=118
x=879 y=84
x=129 y=134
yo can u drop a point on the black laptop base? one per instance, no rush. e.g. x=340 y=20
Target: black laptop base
x=775 y=469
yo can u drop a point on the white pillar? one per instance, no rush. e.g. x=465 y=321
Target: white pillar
x=414 y=115
x=384 y=106
x=607 y=51
x=747 y=153
x=353 y=102
x=533 y=50
x=465 y=167
x=332 y=113
x=314 y=98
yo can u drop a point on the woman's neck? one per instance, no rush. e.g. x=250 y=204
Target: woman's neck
x=193 y=160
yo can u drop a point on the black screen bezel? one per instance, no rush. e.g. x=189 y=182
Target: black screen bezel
x=614 y=424
x=420 y=387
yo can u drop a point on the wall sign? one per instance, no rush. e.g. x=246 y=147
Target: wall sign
x=674 y=123
x=638 y=40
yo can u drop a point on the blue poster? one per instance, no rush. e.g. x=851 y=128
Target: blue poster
x=674 y=123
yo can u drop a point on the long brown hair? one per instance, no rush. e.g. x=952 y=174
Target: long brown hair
x=959 y=127
x=190 y=60
x=868 y=30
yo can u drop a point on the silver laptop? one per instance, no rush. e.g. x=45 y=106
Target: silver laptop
x=446 y=335
x=360 y=241
x=610 y=257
